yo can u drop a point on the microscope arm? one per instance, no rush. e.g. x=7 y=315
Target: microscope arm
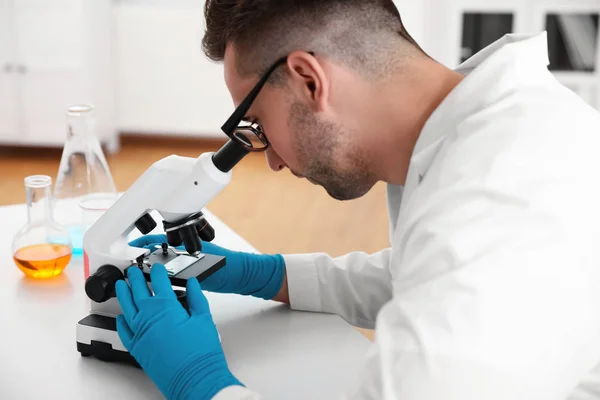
x=178 y=188
x=175 y=186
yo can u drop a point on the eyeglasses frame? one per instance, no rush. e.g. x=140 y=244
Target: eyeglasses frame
x=233 y=122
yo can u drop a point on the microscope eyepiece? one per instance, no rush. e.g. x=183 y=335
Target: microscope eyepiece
x=229 y=155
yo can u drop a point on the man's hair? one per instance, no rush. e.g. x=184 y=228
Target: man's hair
x=366 y=35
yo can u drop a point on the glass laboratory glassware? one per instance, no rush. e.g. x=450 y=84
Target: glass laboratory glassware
x=83 y=175
x=93 y=206
x=42 y=248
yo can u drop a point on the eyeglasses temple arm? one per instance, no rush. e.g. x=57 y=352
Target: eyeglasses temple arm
x=238 y=115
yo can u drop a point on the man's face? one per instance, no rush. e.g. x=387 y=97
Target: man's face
x=314 y=144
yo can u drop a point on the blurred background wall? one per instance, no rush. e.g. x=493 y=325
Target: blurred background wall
x=453 y=30
x=140 y=63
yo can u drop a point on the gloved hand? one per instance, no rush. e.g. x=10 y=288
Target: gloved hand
x=180 y=352
x=258 y=275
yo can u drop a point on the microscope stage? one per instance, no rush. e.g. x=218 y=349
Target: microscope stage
x=97 y=334
x=181 y=267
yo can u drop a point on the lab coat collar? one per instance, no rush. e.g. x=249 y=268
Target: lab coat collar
x=487 y=78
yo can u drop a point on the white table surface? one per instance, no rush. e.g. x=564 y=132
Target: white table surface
x=280 y=353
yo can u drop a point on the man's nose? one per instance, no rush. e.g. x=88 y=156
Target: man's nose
x=275 y=162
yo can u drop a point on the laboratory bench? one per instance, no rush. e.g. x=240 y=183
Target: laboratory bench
x=273 y=350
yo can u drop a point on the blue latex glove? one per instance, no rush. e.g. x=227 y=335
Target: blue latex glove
x=180 y=352
x=258 y=275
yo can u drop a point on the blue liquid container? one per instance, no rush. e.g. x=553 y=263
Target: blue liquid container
x=76 y=235
x=83 y=173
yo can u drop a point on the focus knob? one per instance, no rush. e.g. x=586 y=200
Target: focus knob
x=100 y=286
x=145 y=224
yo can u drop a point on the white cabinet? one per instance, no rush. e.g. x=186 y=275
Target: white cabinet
x=50 y=64
x=166 y=83
x=59 y=54
x=8 y=104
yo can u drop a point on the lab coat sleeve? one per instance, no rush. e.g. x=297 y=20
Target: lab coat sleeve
x=354 y=286
x=236 y=393
x=497 y=298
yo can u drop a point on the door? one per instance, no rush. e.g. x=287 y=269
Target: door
x=8 y=94
x=50 y=52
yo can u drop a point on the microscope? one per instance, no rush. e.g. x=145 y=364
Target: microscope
x=178 y=188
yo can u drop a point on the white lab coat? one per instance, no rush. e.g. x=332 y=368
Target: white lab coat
x=491 y=287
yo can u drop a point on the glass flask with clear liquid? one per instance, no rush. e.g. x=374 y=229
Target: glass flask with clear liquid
x=84 y=180
x=42 y=248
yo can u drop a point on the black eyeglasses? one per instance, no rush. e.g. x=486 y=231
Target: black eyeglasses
x=250 y=134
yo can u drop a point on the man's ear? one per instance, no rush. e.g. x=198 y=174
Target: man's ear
x=308 y=79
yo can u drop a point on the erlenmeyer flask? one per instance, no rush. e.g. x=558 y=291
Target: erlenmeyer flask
x=83 y=175
x=41 y=248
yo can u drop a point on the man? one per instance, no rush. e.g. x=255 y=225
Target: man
x=491 y=286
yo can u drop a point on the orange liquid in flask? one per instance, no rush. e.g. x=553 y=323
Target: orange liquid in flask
x=42 y=261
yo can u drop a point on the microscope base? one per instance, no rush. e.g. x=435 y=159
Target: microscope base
x=97 y=336
x=104 y=352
